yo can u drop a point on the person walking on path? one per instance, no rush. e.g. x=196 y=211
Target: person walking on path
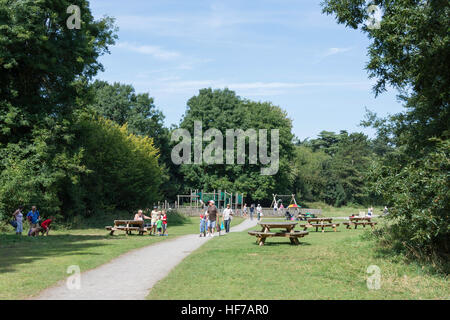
x=244 y=210
x=259 y=212
x=18 y=216
x=212 y=217
x=226 y=218
x=252 y=209
x=33 y=218
x=203 y=224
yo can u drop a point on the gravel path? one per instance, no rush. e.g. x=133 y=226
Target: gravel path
x=133 y=274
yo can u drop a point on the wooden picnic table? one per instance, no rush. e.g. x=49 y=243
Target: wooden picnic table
x=289 y=232
x=356 y=221
x=320 y=223
x=128 y=226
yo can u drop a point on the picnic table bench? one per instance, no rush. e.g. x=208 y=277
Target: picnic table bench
x=266 y=232
x=356 y=221
x=128 y=226
x=320 y=223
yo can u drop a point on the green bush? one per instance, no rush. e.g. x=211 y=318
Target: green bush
x=419 y=195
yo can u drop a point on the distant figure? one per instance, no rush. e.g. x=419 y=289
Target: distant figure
x=288 y=215
x=244 y=210
x=159 y=225
x=259 y=212
x=164 y=223
x=212 y=217
x=252 y=209
x=140 y=216
x=226 y=218
x=45 y=226
x=385 y=211
x=281 y=207
x=154 y=214
x=203 y=225
x=18 y=217
x=33 y=218
x=275 y=207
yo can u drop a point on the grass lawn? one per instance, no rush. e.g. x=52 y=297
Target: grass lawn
x=325 y=266
x=329 y=211
x=29 y=265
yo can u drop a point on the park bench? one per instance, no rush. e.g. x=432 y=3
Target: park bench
x=321 y=223
x=128 y=226
x=356 y=221
x=289 y=232
x=292 y=235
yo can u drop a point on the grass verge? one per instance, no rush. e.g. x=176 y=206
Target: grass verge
x=29 y=265
x=325 y=266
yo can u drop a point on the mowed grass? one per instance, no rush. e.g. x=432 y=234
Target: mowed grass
x=326 y=265
x=330 y=211
x=29 y=265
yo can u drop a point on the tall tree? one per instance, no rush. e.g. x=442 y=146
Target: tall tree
x=223 y=109
x=44 y=69
x=410 y=51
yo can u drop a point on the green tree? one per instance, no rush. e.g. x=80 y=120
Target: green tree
x=122 y=170
x=410 y=52
x=223 y=109
x=121 y=104
x=44 y=70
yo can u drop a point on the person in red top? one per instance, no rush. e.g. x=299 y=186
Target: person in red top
x=45 y=226
x=164 y=221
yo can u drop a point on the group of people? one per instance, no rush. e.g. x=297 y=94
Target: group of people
x=158 y=221
x=252 y=209
x=210 y=218
x=37 y=225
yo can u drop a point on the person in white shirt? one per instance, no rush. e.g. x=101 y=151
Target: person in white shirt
x=226 y=218
x=259 y=211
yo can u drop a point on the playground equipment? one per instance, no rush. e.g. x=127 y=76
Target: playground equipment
x=198 y=199
x=277 y=200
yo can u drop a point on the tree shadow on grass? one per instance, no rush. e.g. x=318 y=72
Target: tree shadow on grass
x=17 y=250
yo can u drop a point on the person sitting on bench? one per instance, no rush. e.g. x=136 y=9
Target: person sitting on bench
x=140 y=216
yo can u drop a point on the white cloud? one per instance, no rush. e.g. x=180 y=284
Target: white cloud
x=155 y=51
x=333 y=51
x=168 y=86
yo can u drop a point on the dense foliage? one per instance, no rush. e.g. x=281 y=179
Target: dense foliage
x=51 y=153
x=222 y=110
x=410 y=51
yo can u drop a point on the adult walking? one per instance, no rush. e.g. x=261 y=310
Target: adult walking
x=259 y=212
x=252 y=210
x=212 y=217
x=33 y=218
x=226 y=218
x=18 y=216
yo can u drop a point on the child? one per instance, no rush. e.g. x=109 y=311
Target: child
x=159 y=225
x=203 y=225
x=164 y=223
x=45 y=226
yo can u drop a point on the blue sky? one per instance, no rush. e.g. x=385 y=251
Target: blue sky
x=283 y=51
